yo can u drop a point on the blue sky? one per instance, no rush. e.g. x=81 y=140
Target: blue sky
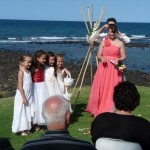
x=69 y=10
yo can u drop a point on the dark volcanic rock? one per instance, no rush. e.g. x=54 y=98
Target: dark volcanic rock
x=9 y=62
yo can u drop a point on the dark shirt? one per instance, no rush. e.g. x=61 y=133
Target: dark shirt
x=126 y=127
x=61 y=137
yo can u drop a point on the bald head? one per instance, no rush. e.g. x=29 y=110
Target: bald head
x=55 y=111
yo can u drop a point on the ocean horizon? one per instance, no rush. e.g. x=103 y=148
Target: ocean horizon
x=69 y=20
x=69 y=38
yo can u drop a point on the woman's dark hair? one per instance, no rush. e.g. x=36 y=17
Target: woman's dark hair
x=111 y=19
x=126 y=97
x=37 y=54
x=113 y=27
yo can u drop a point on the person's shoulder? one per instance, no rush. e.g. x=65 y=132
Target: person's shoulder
x=32 y=141
x=119 y=43
x=57 y=139
x=104 y=115
x=82 y=143
x=141 y=120
x=20 y=72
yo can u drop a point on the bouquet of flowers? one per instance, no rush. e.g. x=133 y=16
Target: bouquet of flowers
x=119 y=65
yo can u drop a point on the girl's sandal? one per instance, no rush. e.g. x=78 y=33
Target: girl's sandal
x=42 y=129
x=24 y=134
x=38 y=129
x=28 y=132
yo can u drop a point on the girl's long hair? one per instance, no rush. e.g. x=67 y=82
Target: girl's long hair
x=35 y=63
x=48 y=55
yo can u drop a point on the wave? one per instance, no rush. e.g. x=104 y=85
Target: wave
x=52 y=39
x=138 y=37
x=9 y=38
x=40 y=39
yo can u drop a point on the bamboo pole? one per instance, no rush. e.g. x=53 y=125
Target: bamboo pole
x=92 y=14
x=81 y=70
x=91 y=68
x=102 y=14
x=82 y=80
x=84 y=19
x=85 y=71
x=89 y=15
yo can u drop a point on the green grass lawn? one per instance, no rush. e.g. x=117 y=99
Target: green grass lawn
x=80 y=123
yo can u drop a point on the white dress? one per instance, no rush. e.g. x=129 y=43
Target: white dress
x=40 y=95
x=23 y=114
x=60 y=80
x=64 y=89
x=51 y=82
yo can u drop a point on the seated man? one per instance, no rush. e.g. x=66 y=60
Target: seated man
x=122 y=124
x=57 y=117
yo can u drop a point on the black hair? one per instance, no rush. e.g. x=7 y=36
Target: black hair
x=111 y=19
x=113 y=27
x=126 y=96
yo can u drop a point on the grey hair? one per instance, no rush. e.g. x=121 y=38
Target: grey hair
x=59 y=115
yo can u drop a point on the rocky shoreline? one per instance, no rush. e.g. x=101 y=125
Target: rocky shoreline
x=9 y=69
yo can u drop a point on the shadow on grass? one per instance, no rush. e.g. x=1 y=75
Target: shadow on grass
x=78 y=110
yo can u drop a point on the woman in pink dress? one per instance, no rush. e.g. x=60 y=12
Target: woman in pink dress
x=107 y=76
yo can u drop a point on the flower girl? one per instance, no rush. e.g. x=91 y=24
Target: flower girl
x=61 y=74
x=40 y=92
x=23 y=103
x=50 y=79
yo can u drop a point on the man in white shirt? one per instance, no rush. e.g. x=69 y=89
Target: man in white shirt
x=120 y=35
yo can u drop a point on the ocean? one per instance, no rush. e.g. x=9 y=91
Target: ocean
x=69 y=38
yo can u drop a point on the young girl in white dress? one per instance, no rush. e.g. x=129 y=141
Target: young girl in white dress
x=50 y=79
x=40 y=92
x=61 y=74
x=23 y=103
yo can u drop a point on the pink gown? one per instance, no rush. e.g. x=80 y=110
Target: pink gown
x=105 y=79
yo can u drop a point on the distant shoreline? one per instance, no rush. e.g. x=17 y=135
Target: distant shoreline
x=84 y=43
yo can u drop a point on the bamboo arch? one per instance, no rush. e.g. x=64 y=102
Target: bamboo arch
x=88 y=56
